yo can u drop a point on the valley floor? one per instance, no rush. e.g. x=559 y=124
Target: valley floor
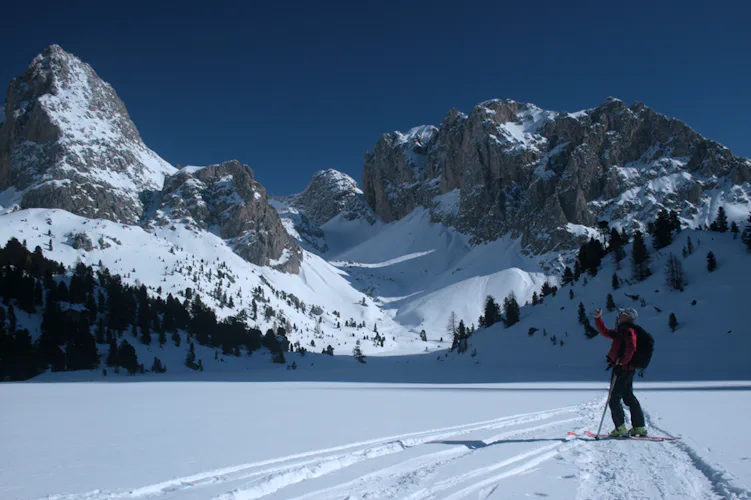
x=319 y=440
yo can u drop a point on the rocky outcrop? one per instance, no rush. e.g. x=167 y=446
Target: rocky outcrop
x=513 y=168
x=329 y=194
x=67 y=142
x=226 y=198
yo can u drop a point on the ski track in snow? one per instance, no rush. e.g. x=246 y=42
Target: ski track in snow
x=432 y=468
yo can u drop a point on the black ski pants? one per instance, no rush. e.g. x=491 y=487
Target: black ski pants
x=624 y=390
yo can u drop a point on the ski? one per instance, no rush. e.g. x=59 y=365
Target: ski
x=602 y=437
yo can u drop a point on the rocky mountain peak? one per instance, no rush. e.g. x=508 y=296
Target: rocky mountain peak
x=225 y=198
x=335 y=181
x=514 y=168
x=68 y=142
x=330 y=193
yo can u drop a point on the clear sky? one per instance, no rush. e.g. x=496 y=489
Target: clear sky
x=293 y=87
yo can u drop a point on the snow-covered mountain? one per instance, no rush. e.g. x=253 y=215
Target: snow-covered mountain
x=514 y=169
x=329 y=194
x=67 y=142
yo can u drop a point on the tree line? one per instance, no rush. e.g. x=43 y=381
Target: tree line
x=85 y=312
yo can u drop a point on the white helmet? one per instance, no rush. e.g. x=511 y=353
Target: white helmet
x=629 y=311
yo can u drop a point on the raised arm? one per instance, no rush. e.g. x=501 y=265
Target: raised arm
x=604 y=330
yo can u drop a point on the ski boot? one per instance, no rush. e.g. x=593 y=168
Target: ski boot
x=619 y=432
x=638 y=431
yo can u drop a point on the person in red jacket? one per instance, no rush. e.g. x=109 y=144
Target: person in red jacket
x=621 y=352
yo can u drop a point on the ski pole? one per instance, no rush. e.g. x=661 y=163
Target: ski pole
x=605 y=410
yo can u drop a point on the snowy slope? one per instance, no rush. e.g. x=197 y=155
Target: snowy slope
x=170 y=259
x=421 y=271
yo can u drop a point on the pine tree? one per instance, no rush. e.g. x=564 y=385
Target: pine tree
x=568 y=276
x=423 y=336
x=357 y=353
x=461 y=338
x=582 y=314
x=590 y=256
x=614 y=239
x=616 y=282
x=675 y=222
x=610 y=303
x=577 y=271
x=162 y=338
x=534 y=298
x=156 y=366
x=190 y=358
x=662 y=234
x=492 y=311
x=721 y=222
x=127 y=358
x=711 y=262
x=176 y=338
x=674 y=275
x=735 y=230
x=640 y=258
x=511 y=310
x=689 y=245
x=673 y=322
x=571 y=294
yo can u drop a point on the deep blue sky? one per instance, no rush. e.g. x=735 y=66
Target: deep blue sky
x=301 y=86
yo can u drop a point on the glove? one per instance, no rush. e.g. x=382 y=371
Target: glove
x=598 y=313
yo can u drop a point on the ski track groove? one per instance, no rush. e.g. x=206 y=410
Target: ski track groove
x=724 y=484
x=270 y=484
x=396 y=442
x=608 y=470
x=604 y=476
x=427 y=463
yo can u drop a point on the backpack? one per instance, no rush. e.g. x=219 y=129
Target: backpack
x=645 y=345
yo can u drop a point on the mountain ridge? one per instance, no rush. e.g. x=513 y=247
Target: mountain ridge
x=529 y=172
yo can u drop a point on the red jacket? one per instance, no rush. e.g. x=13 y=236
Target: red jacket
x=617 y=348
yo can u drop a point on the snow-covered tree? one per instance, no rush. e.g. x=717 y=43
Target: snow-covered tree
x=357 y=353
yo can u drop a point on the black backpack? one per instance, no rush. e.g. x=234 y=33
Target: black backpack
x=645 y=345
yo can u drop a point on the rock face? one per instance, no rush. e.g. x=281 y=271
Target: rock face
x=67 y=142
x=329 y=194
x=513 y=168
x=227 y=199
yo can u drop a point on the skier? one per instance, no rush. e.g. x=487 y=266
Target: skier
x=619 y=357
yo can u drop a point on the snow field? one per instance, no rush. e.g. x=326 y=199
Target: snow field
x=352 y=440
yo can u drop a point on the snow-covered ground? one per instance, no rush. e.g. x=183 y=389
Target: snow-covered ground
x=241 y=440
